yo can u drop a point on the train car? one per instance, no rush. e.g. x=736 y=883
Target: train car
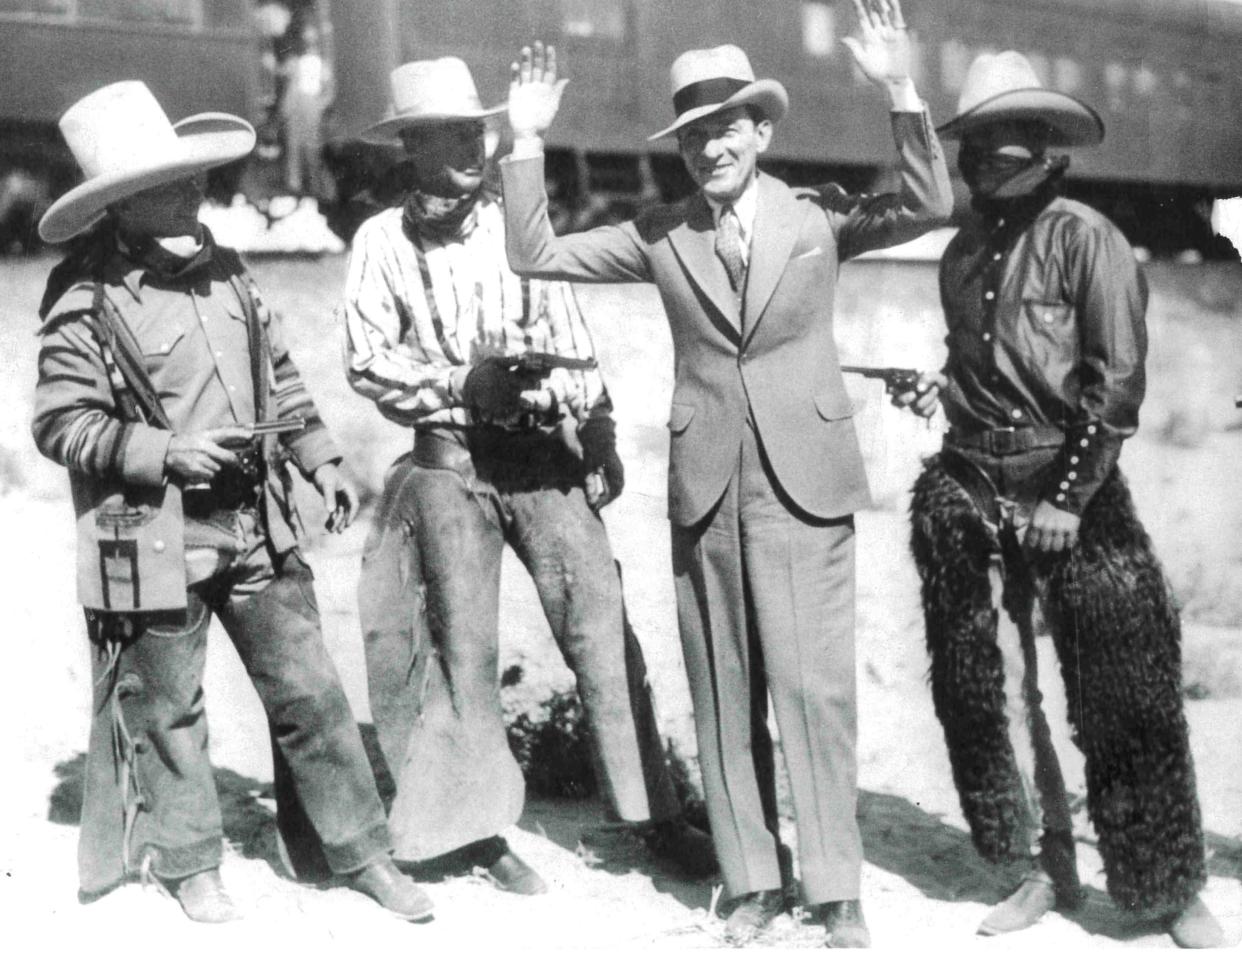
x=1164 y=74
x=196 y=55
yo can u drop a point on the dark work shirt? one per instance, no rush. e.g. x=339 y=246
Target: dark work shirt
x=1046 y=327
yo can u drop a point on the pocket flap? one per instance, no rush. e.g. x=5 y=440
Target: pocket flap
x=834 y=405
x=679 y=417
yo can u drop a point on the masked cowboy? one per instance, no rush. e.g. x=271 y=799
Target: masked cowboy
x=1045 y=308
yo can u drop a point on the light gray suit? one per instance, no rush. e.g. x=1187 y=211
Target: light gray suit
x=764 y=476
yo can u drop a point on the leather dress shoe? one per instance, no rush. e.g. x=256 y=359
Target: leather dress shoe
x=1195 y=927
x=843 y=919
x=752 y=915
x=203 y=898
x=684 y=845
x=512 y=874
x=1034 y=897
x=391 y=889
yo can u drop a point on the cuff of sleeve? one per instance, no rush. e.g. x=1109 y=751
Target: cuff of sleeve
x=143 y=459
x=457 y=384
x=314 y=449
x=904 y=98
x=525 y=149
x=1087 y=458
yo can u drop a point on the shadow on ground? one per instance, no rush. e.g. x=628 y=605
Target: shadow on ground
x=898 y=836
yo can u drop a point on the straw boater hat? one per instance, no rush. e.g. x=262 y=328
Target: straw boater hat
x=430 y=91
x=707 y=81
x=124 y=143
x=1005 y=87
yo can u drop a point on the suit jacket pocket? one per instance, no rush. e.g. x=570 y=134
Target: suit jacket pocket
x=834 y=404
x=679 y=417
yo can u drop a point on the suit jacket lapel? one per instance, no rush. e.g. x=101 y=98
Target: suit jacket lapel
x=695 y=243
x=775 y=232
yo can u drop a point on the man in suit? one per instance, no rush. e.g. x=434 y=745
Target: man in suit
x=764 y=467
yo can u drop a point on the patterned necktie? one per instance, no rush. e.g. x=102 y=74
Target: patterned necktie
x=729 y=247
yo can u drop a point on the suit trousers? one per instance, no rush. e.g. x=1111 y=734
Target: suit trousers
x=765 y=601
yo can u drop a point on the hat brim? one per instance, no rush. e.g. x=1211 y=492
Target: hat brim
x=1073 y=122
x=767 y=95
x=390 y=129
x=203 y=142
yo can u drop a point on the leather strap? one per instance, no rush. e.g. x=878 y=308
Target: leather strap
x=1007 y=441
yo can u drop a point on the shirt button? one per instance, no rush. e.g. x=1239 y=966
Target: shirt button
x=1048 y=316
x=233 y=388
x=158 y=546
x=1072 y=476
x=164 y=348
x=987 y=336
x=1060 y=497
x=219 y=353
x=1090 y=429
x=1073 y=460
x=989 y=295
x=1084 y=443
x=997 y=256
x=1001 y=221
x=1063 y=485
x=1016 y=413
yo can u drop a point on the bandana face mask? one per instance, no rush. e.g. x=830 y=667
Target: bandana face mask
x=1000 y=175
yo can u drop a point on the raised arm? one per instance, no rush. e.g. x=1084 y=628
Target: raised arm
x=609 y=254
x=925 y=197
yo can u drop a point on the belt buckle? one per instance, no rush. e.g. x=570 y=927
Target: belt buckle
x=1004 y=441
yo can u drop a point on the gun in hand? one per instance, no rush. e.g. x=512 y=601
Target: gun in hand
x=541 y=364
x=277 y=426
x=897 y=380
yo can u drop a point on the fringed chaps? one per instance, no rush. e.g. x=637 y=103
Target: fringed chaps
x=1117 y=636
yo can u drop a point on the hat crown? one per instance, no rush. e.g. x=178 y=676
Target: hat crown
x=439 y=88
x=995 y=74
x=707 y=64
x=117 y=128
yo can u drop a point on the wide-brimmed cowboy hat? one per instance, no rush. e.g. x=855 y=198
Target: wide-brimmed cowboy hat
x=124 y=143
x=1004 y=87
x=707 y=81
x=430 y=91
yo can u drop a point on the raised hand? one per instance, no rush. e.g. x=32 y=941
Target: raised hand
x=534 y=91
x=882 y=51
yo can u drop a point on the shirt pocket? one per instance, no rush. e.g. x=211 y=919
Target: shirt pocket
x=833 y=404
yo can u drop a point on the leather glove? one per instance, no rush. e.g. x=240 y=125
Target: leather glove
x=493 y=388
x=598 y=437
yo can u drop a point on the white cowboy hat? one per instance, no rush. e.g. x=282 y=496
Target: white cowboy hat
x=430 y=91
x=707 y=81
x=124 y=143
x=1005 y=87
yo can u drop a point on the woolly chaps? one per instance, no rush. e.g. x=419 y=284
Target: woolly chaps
x=1117 y=636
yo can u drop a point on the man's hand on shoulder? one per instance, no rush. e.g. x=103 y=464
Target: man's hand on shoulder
x=882 y=51
x=534 y=98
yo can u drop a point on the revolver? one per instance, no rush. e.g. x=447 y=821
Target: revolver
x=541 y=364
x=897 y=380
x=248 y=452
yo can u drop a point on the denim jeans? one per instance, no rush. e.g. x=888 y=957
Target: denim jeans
x=150 y=796
x=430 y=598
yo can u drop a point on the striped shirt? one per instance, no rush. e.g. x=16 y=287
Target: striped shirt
x=410 y=352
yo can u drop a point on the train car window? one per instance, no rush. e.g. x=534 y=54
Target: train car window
x=185 y=13
x=1146 y=81
x=1115 y=78
x=38 y=8
x=955 y=58
x=819 y=29
x=1067 y=75
x=604 y=19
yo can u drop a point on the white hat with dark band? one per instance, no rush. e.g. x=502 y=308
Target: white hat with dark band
x=710 y=80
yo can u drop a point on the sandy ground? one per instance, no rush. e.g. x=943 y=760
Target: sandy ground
x=923 y=887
